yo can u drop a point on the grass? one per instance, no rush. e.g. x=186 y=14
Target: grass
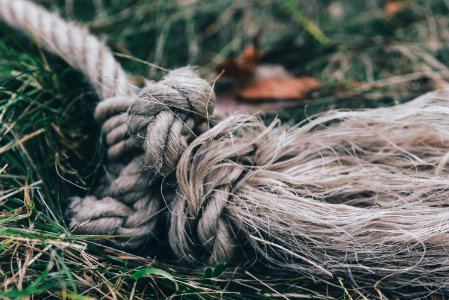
x=49 y=145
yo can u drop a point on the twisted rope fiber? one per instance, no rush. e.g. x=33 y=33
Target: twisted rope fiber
x=359 y=193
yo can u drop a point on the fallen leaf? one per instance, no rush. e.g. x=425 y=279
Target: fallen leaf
x=280 y=88
x=242 y=67
x=260 y=82
x=393 y=7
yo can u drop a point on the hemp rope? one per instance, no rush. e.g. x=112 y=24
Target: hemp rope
x=155 y=124
x=362 y=194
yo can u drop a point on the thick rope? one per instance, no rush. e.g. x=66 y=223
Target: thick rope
x=160 y=120
x=362 y=194
x=367 y=196
x=146 y=134
x=71 y=42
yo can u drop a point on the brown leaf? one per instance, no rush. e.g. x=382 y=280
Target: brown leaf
x=243 y=66
x=280 y=88
x=393 y=7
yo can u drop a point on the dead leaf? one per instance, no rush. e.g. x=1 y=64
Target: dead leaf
x=280 y=88
x=260 y=82
x=393 y=7
x=242 y=67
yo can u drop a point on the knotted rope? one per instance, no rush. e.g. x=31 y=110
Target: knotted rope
x=153 y=130
x=160 y=120
x=146 y=132
x=362 y=194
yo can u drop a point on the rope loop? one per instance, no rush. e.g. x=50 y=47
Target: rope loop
x=164 y=117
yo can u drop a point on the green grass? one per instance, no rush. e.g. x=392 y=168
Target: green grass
x=50 y=147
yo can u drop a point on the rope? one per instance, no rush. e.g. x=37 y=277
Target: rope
x=146 y=133
x=360 y=193
x=71 y=42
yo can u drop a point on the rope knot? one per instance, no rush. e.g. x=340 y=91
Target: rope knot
x=212 y=175
x=160 y=121
x=166 y=115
